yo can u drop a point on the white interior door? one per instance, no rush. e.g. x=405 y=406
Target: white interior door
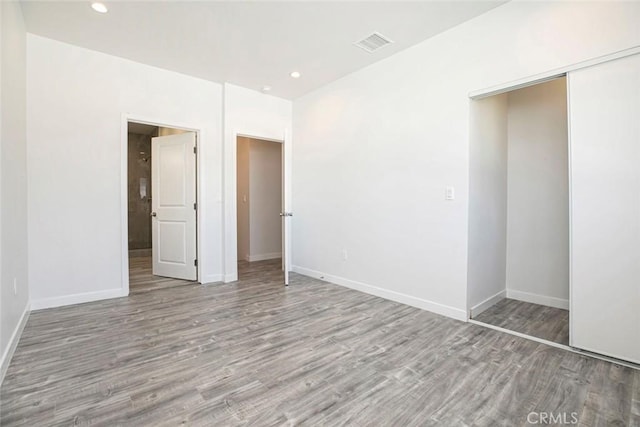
x=173 y=187
x=604 y=120
x=286 y=214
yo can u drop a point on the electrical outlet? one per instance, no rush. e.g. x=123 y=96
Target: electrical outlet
x=15 y=286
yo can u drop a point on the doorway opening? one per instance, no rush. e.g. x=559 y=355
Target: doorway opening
x=161 y=207
x=259 y=201
x=518 y=268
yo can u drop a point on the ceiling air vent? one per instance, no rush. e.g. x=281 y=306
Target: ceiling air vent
x=373 y=42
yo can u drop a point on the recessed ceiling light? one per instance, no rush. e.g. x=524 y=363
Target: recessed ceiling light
x=99 y=7
x=295 y=74
x=266 y=88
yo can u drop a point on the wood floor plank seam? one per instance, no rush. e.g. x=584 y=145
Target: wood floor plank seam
x=254 y=353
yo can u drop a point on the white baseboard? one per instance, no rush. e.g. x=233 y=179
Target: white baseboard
x=264 y=257
x=13 y=342
x=538 y=299
x=211 y=278
x=42 y=303
x=423 y=304
x=489 y=302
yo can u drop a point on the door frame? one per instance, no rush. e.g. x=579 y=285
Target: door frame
x=124 y=187
x=231 y=191
x=532 y=80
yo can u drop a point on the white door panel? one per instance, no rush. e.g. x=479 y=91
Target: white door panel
x=173 y=166
x=604 y=118
x=172 y=242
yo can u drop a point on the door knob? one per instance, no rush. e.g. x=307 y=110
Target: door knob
x=154 y=214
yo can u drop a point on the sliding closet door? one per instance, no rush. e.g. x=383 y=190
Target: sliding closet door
x=604 y=120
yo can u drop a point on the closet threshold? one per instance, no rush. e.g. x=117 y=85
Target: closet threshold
x=557 y=345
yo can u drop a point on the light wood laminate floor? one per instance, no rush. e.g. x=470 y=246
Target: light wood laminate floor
x=256 y=353
x=551 y=324
x=141 y=278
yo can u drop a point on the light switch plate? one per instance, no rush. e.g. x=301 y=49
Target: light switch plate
x=449 y=193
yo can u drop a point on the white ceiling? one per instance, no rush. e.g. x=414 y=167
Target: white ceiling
x=250 y=44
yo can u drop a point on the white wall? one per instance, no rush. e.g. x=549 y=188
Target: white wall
x=13 y=180
x=75 y=102
x=374 y=150
x=265 y=176
x=243 y=198
x=248 y=113
x=487 y=202
x=538 y=195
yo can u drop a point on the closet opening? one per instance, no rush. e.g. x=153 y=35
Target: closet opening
x=518 y=260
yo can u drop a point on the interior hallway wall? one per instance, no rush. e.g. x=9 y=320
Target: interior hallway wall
x=538 y=195
x=265 y=178
x=243 y=198
x=259 y=199
x=14 y=276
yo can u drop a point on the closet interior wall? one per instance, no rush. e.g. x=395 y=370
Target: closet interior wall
x=519 y=198
x=537 y=266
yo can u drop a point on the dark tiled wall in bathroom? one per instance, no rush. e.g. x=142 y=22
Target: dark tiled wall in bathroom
x=139 y=205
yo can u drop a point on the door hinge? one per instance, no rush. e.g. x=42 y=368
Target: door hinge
x=195 y=206
x=195 y=150
x=195 y=262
